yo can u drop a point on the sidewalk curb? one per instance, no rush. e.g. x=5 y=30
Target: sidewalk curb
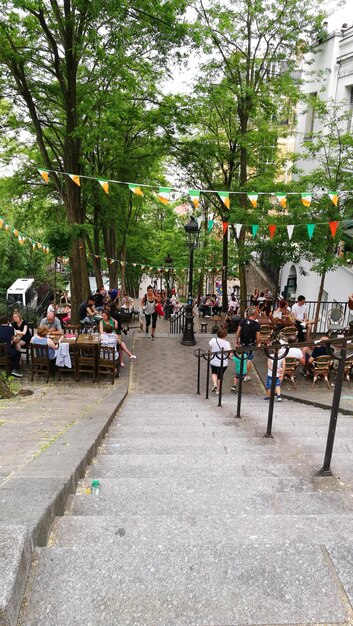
x=36 y=495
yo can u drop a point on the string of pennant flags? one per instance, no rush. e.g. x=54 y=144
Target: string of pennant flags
x=22 y=238
x=164 y=193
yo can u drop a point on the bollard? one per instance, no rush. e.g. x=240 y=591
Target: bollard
x=198 y=354
x=240 y=388
x=221 y=378
x=208 y=374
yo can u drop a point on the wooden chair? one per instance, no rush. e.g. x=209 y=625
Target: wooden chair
x=4 y=358
x=71 y=329
x=108 y=363
x=86 y=360
x=320 y=368
x=41 y=364
x=290 y=369
x=26 y=349
x=265 y=333
x=348 y=368
x=73 y=356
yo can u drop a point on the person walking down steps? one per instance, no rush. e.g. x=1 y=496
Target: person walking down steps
x=148 y=305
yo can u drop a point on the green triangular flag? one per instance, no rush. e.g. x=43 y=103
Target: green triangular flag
x=254 y=228
x=210 y=225
x=311 y=228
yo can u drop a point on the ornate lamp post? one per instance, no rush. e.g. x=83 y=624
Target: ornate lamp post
x=192 y=237
x=168 y=263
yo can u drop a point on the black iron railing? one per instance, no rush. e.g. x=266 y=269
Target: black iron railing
x=177 y=322
x=337 y=349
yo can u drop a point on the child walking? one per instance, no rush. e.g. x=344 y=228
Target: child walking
x=238 y=373
x=281 y=365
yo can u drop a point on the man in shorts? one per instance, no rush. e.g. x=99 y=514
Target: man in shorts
x=248 y=335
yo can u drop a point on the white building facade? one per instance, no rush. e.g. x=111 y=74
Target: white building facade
x=327 y=74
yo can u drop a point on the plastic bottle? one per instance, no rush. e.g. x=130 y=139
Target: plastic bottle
x=95 y=487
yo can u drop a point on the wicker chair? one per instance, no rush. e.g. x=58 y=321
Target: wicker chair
x=320 y=368
x=290 y=369
x=335 y=321
x=266 y=331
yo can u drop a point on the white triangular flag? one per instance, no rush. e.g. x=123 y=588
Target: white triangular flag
x=238 y=228
x=199 y=220
x=290 y=229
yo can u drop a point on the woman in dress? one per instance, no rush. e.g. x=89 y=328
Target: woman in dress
x=108 y=321
x=41 y=339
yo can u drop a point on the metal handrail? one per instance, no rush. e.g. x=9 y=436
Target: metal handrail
x=272 y=352
x=177 y=322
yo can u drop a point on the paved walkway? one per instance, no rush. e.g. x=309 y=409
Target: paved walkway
x=200 y=520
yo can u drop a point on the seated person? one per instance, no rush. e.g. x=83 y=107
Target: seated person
x=233 y=304
x=87 y=311
x=41 y=339
x=22 y=334
x=109 y=338
x=107 y=320
x=67 y=314
x=296 y=353
x=113 y=320
x=300 y=316
x=51 y=307
x=127 y=303
x=99 y=299
x=203 y=306
x=317 y=351
x=7 y=334
x=281 y=312
x=52 y=323
x=232 y=322
x=65 y=298
x=216 y=304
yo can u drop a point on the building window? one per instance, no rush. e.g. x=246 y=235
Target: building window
x=350 y=107
x=310 y=117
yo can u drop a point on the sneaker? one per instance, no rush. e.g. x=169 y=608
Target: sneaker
x=266 y=398
x=152 y=337
x=146 y=332
x=16 y=373
x=214 y=388
x=246 y=379
x=217 y=392
x=132 y=357
x=234 y=389
x=279 y=398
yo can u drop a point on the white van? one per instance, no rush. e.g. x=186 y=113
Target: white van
x=22 y=293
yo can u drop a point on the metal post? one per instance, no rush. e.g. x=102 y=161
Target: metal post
x=208 y=374
x=326 y=468
x=272 y=396
x=221 y=379
x=198 y=352
x=240 y=388
x=188 y=335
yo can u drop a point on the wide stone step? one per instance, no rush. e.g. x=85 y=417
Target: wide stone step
x=237 y=527
x=197 y=585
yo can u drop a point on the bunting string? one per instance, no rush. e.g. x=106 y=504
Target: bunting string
x=22 y=238
x=163 y=193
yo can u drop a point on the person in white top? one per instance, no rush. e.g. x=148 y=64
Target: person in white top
x=300 y=316
x=217 y=370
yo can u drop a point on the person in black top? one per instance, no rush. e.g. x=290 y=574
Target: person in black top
x=99 y=299
x=86 y=311
x=7 y=334
x=22 y=333
x=248 y=334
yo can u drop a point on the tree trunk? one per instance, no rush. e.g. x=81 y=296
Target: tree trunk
x=5 y=391
x=96 y=263
x=110 y=245
x=319 y=298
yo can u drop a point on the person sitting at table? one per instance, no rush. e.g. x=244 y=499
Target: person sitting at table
x=127 y=303
x=110 y=339
x=67 y=314
x=300 y=316
x=41 y=339
x=317 y=351
x=281 y=312
x=7 y=335
x=233 y=304
x=51 y=307
x=107 y=322
x=87 y=311
x=22 y=334
x=65 y=298
x=52 y=323
x=254 y=298
x=99 y=297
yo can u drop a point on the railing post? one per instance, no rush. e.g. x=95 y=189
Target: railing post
x=240 y=388
x=272 y=396
x=221 y=379
x=326 y=468
x=208 y=374
x=198 y=351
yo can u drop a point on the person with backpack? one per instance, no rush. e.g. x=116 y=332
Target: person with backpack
x=148 y=306
x=248 y=335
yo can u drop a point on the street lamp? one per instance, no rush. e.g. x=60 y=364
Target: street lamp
x=192 y=238
x=168 y=262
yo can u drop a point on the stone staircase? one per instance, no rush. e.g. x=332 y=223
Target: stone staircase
x=202 y=521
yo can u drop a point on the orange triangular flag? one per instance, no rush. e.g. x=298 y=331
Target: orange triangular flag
x=272 y=228
x=333 y=228
x=44 y=174
x=104 y=184
x=225 y=226
x=76 y=179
